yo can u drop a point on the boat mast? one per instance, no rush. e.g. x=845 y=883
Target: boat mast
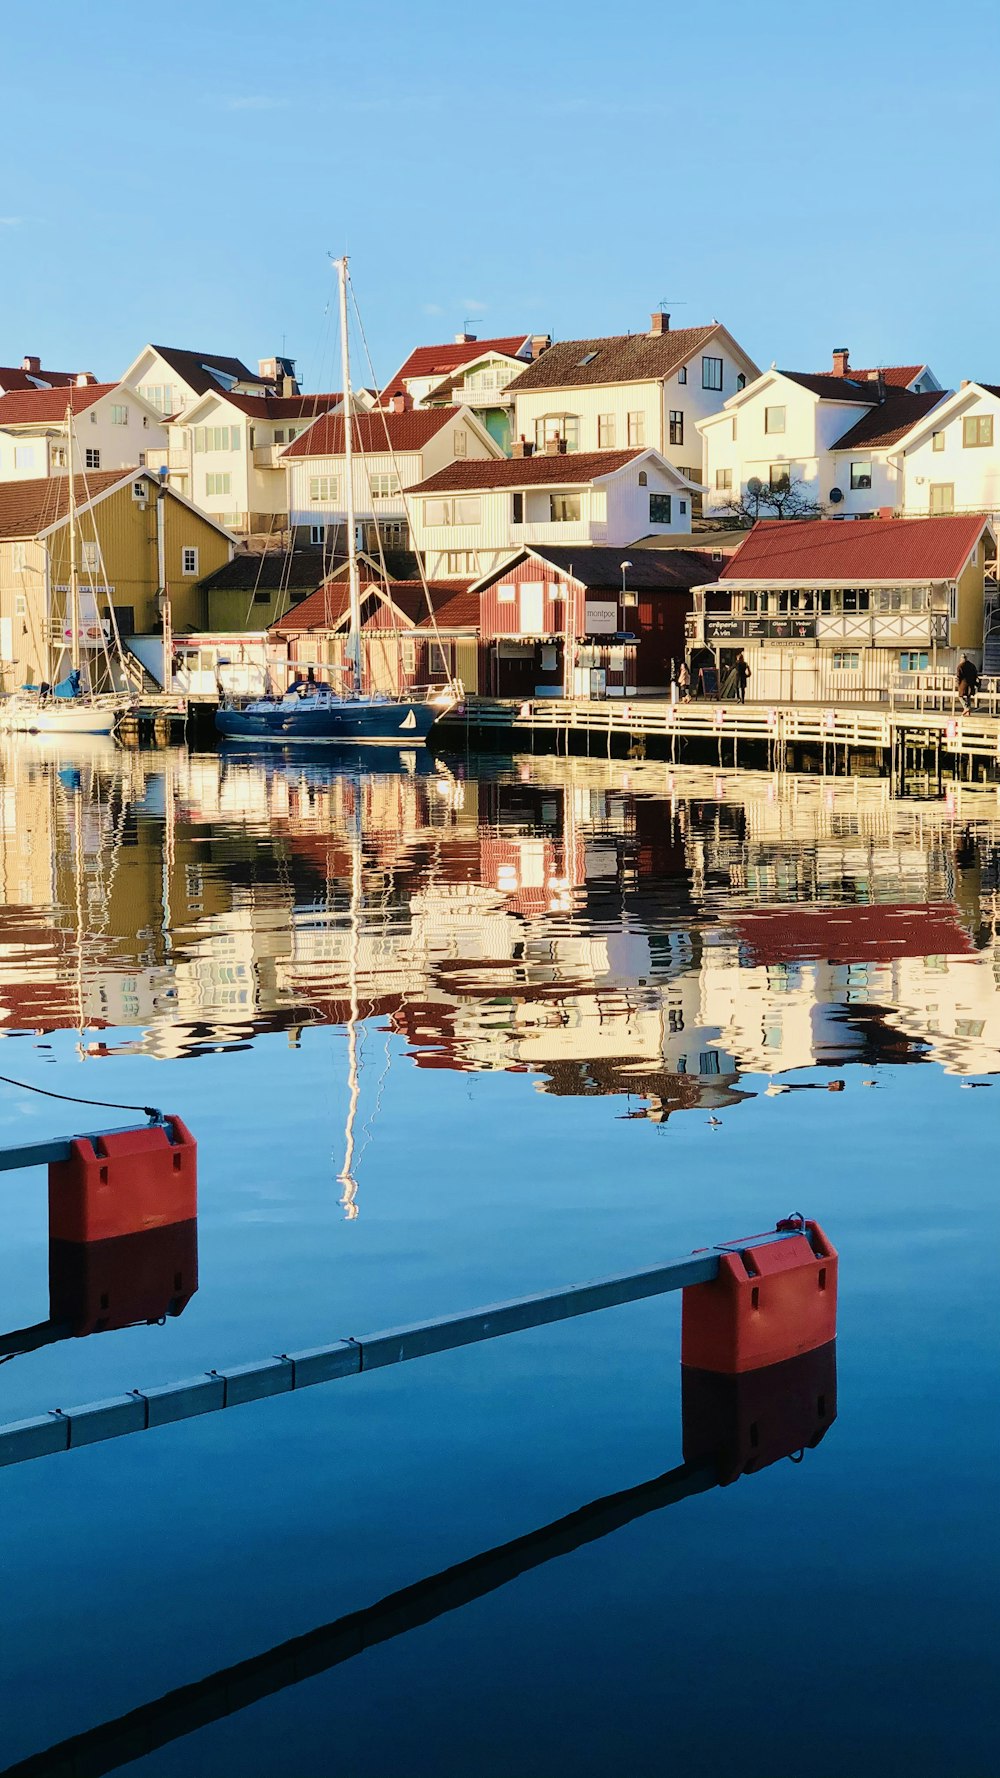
x=74 y=580
x=354 y=639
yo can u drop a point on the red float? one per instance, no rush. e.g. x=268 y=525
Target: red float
x=774 y=1298
x=124 y=1183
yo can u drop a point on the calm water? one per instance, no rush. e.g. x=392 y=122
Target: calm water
x=552 y=975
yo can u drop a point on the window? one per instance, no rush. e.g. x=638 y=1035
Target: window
x=218 y=484
x=460 y=561
x=92 y=457
x=119 y=414
x=861 y=475
x=20 y=561
x=741 y=381
x=24 y=456
x=588 y=358
x=20 y=605
x=777 y=475
x=564 y=509
x=942 y=497
x=682 y=374
x=216 y=438
x=506 y=594
x=630 y=600
x=140 y=491
x=605 y=432
x=384 y=486
x=293 y=432
x=460 y=442
x=774 y=419
x=711 y=373
x=682 y=507
x=914 y=660
x=554 y=427
x=189 y=560
x=659 y=509
x=937 y=441
x=637 y=427
x=517 y=509
x=89 y=557
x=643 y=478
x=676 y=426
x=458 y=510
x=323 y=489
x=977 y=429
x=279 y=435
x=160 y=396
x=317 y=534
x=723 y=479
x=856 y=598
x=262 y=598
x=58 y=458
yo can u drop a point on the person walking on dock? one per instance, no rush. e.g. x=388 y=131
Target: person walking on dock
x=967 y=681
x=742 y=676
x=684 y=682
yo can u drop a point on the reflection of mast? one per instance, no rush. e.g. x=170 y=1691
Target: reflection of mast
x=346 y=1176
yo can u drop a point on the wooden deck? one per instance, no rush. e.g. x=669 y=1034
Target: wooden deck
x=782 y=730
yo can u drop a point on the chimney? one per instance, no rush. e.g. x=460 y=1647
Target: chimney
x=33 y=366
x=521 y=448
x=465 y=339
x=659 y=322
x=555 y=447
x=886 y=512
x=288 y=386
x=540 y=342
x=840 y=358
x=400 y=402
x=81 y=379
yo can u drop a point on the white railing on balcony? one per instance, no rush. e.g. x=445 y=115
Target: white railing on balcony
x=266 y=456
x=551 y=531
x=876 y=628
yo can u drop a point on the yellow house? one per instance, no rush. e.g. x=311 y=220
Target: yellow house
x=136 y=538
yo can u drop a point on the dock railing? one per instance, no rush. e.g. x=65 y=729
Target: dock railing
x=938 y=692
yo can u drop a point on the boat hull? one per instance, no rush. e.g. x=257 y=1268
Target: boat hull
x=53 y=720
x=377 y=724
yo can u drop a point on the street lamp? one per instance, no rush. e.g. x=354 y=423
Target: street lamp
x=624 y=566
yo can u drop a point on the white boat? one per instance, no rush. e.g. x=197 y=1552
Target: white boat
x=27 y=713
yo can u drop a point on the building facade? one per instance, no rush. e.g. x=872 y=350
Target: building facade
x=111 y=427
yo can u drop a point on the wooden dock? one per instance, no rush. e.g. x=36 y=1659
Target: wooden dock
x=809 y=736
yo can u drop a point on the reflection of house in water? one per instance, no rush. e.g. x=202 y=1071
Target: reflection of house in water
x=610 y=927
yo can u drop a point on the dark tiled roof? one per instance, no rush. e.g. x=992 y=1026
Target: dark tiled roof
x=195 y=368
x=898 y=376
x=23 y=406
x=406 y=432
x=252 y=570
x=891 y=420
x=525 y=472
x=16 y=377
x=831 y=388
x=280 y=407
x=28 y=507
x=433 y=361
x=991 y=389
x=594 y=567
x=855 y=551
x=622 y=358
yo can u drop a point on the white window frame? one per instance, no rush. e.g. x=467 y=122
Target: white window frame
x=324 y=490
x=189 y=561
x=119 y=413
x=317 y=534
x=92 y=457
x=636 y=425
x=460 y=442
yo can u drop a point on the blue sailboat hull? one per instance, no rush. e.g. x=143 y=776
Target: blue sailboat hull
x=379 y=723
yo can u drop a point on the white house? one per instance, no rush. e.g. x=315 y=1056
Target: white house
x=170 y=378
x=471 y=373
x=952 y=457
x=468 y=517
x=394 y=449
x=631 y=391
x=224 y=452
x=113 y=429
x=836 y=433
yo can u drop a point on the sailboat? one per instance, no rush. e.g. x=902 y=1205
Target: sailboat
x=66 y=707
x=315 y=712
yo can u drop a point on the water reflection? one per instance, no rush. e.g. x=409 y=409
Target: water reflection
x=616 y=929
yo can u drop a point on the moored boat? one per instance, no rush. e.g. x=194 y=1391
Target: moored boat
x=318 y=715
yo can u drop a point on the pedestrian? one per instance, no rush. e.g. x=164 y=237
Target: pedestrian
x=742 y=676
x=684 y=682
x=967 y=681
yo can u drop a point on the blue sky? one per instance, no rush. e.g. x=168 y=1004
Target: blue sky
x=812 y=178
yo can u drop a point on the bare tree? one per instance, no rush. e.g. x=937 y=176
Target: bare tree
x=788 y=498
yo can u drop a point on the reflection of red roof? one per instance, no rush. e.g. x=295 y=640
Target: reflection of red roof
x=876 y=932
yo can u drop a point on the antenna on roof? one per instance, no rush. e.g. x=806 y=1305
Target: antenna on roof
x=672 y=302
x=470 y=322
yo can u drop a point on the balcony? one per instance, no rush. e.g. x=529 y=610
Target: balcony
x=268 y=456
x=883 y=629
x=170 y=460
x=554 y=531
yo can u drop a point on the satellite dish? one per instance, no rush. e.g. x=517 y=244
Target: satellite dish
x=755 y=485
x=836 y=496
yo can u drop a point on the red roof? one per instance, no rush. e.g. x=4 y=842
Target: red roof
x=855 y=551
x=453 y=604
x=525 y=472
x=433 y=361
x=369 y=432
x=22 y=407
x=898 y=376
x=280 y=407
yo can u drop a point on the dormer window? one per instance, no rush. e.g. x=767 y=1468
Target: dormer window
x=588 y=358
